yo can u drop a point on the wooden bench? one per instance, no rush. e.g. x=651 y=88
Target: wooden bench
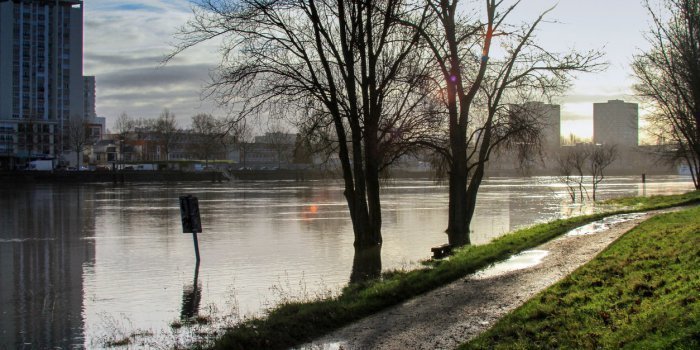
x=441 y=251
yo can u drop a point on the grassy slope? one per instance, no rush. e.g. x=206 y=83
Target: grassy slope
x=295 y=323
x=642 y=292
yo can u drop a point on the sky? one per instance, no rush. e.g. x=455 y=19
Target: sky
x=125 y=42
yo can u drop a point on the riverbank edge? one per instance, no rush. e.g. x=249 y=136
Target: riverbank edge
x=640 y=292
x=121 y=176
x=169 y=175
x=296 y=323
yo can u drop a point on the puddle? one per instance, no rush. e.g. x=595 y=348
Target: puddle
x=604 y=224
x=531 y=258
x=516 y=262
x=325 y=346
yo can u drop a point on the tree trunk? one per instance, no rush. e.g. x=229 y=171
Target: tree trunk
x=366 y=264
x=458 y=225
x=373 y=234
x=458 y=221
x=365 y=234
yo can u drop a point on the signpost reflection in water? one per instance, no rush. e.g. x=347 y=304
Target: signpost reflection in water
x=191 y=297
x=78 y=263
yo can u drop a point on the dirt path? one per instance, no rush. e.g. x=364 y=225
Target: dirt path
x=457 y=312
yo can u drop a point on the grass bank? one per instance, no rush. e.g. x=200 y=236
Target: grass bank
x=299 y=322
x=642 y=292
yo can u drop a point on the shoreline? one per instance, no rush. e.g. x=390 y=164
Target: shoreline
x=121 y=176
x=306 y=323
x=458 y=312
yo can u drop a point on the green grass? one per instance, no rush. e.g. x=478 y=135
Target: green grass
x=641 y=293
x=656 y=202
x=295 y=323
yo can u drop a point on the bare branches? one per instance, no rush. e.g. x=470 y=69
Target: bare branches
x=669 y=78
x=577 y=161
x=166 y=130
x=78 y=137
x=349 y=64
x=480 y=90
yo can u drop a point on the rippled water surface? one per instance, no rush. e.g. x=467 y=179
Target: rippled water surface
x=80 y=265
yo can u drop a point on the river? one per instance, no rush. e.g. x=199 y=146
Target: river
x=81 y=265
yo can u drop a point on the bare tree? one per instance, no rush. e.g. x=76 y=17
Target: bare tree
x=572 y=165
x=348 y=65
x=229 y=127
x=476 y=89
x=566 y=174
x=166 y=130
x=242 y=136
x=123 y=126
x=281 y=142
x=668 y=77
x=600 y=157
x=207 y=132
x=576 y=161
x=78 y=138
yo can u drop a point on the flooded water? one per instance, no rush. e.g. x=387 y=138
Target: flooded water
x=82 y=265
x=522 y=260
x=603 y=225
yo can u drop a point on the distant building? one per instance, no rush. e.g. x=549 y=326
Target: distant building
x=41 y=65
x=550 y=116
x=616 y=123
x=270 y=151
x=95 y=126
x=276 y=138
x=89 y=98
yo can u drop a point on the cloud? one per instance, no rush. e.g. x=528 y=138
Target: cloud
x=596 y=98
x=144 y=92
x=125 y=41
x=164 y=77
x=105 y=62
x=124 y=45
x=133 y=7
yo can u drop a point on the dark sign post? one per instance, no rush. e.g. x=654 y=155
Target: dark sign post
x=189 y=212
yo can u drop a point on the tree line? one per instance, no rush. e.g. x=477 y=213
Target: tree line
x=214 y=135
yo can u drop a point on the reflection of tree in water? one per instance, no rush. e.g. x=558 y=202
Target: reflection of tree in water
x=367 y=264
x=191 y=297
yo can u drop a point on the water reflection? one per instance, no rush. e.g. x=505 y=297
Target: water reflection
x=366 y=264
x=42 y=260
x=191 y=297
x=78 y=262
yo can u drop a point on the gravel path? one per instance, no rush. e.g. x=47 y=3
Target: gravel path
x=457 y=312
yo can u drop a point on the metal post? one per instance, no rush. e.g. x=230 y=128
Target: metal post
x=196 y=246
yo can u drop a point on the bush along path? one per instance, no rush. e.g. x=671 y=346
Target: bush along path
x=296 y=323
x=642 y=293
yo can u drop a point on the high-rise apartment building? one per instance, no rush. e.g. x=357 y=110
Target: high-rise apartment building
x=550 y=117
x=41 y=76
x=89 y=97
x=616 y=123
